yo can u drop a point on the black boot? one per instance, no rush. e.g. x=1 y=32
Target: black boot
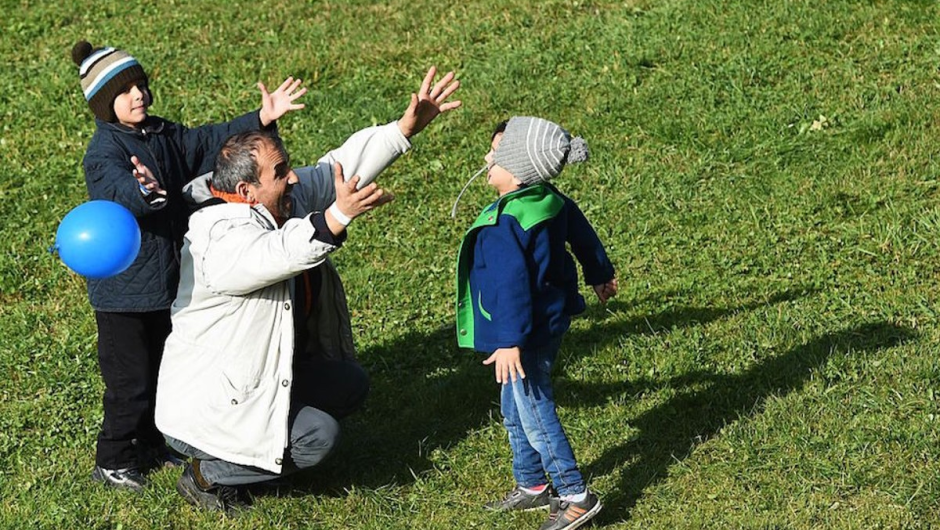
x=199 y=492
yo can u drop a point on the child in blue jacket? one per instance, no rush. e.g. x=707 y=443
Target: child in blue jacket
x=517 y=288
x=142 y=162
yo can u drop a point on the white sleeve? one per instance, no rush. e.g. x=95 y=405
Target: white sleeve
x=369 y=151
x=366 y=154
x=242 y=257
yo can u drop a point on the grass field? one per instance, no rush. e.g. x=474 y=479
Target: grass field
x=765 y=177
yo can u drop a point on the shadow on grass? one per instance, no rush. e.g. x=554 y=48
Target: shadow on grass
x=426 y=395
x=669 y=432
x=668 y=319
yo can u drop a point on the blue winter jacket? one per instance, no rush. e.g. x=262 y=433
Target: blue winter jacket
x=516 y=283
x=175 y=154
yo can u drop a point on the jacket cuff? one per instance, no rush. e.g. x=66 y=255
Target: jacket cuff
x=397 y=138
x=152 y=201
x=603 y=275
x=504 y=341
x=322 y=230
x=271 y=128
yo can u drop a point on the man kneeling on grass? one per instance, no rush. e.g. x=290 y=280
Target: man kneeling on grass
x=259 y=366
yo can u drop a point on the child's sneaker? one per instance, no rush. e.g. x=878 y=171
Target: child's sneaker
x=519 y=499
x=566 y=515
x=128 y=478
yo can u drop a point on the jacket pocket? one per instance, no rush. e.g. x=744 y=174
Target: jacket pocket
x=242 y=376
x=234 y=391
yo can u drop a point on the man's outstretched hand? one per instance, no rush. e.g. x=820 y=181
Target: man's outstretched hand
x=351 y=202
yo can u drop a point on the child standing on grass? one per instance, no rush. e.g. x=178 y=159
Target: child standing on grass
x=517 y=288
x=142 y=163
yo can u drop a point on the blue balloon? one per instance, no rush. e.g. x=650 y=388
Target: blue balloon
x=98 y=239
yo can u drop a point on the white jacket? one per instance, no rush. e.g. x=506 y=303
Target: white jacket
x=225 y=380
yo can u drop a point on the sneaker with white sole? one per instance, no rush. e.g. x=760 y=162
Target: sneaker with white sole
x=128 y=478
x=567 y=515
x=520 y=499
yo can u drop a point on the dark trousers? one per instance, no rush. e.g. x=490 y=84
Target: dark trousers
x=130 y=346
x=338 y=388
x=324 y=392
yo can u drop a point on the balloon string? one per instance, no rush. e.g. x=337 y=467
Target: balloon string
x=453 y=211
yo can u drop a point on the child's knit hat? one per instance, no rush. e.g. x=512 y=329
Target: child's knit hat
x=104 y=73
x=535 y=150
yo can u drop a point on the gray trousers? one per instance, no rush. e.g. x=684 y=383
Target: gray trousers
x=326 y=392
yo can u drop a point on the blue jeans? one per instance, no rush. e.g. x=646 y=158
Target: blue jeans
x=538 y=441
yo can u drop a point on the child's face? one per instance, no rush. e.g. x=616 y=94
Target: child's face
x=496 y=175
x=130 y=106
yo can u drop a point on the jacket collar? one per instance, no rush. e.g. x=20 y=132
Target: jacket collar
x=530 y=205
x=152 y=125
x=198 y=195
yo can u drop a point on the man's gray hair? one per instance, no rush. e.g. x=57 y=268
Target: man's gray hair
x=238 y=159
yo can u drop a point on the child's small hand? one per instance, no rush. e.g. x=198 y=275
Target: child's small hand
x=145 y=177
x=429 y=103
x=281 y=101
x=606 y=290
x=508 y=364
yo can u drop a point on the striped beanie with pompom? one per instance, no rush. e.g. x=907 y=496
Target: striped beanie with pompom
x=536 y=150
x=104 y=73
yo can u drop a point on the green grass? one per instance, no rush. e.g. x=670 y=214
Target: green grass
x=764 y=175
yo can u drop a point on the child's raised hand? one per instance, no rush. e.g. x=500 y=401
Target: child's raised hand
x=145 y=177
x=606 y=290
x=281 y=101
x=429 y=103
x=508 y=364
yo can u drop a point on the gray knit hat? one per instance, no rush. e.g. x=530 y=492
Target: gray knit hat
x=536 y=150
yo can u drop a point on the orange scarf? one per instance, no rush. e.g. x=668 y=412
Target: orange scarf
x=228 y=196
x=236 y=198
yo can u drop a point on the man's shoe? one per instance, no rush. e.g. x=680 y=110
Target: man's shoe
x=214 y=497
x=566 y=515
x=519 y=499
x=127 y=478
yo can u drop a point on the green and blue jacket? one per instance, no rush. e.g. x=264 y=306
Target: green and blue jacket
x=517 y=285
